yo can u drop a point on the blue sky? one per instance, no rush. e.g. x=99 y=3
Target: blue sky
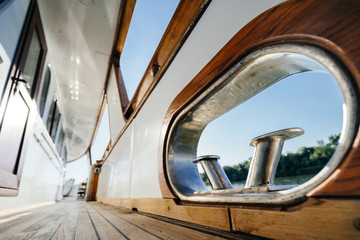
x=311 y=101
x=149 y=22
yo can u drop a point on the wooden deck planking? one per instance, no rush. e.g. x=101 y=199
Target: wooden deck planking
x=84 y=227
x=163 y=230
x=24 y=225
x=104 y=228
x=83 y=220
x=131 y=231
x=66 y=229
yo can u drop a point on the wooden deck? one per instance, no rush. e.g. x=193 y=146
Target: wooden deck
x=72 y=219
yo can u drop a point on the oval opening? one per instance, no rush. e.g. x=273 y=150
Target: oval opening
x=274 y=88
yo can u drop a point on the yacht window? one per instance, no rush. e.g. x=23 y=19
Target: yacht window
x=115 y=114
x=53 y=120
x=31 y=62
x=102 y=138
x=149 y=21
x=44 y=91
x=60 y=140
x=276 y=94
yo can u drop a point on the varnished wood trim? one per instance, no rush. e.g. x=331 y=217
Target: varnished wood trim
x=315 y=219
x=335 y=30
x=127 y=9
x=215 y=217
x=326 y=219
x=179 y=28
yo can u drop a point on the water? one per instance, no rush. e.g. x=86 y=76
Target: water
x=295 y=180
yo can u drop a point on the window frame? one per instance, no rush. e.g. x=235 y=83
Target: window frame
x=182 y=23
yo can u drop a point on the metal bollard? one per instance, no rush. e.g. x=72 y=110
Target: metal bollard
x=217 y=177
x=267 y=156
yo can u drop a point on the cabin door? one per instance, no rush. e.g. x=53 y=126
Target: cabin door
x=21 y=88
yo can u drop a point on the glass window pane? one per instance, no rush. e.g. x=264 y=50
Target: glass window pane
x=32 y=60
x=102 y=138
x=148 y=24
x=44 y=91
x=60 y=140
x=116 y=119
x=55 y=124
x=50 y=117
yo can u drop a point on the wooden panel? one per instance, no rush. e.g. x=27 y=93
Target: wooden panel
x=323 y=219
x=215 y=217
x=334 y=29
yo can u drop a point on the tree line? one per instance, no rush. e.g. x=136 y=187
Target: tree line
x=306 y=161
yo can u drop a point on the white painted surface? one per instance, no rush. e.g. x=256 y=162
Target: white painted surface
x=12 y=17
x=119 y=166
x=80 y=38
x=225 y=18
x=42 y=175
x=116 y=118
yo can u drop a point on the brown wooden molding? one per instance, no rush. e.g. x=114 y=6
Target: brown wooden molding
x=322 y=219
x=126 y=9
x=327 y=219
x=330 y=25
x=184 y=20
x=177 y=31
x=216 y=217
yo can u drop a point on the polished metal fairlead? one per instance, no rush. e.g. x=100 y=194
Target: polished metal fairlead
x=267 y=156
x=217 y=177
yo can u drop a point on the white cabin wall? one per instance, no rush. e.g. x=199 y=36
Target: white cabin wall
x=115 y=178
x=43 y=174
x=216 y=27
x=12 y=17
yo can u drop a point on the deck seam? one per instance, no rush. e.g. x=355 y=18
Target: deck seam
x=92 y=223
x=76 y=224
x=57 y=229
x=137 y=226
x=29 y=226
x=123 y=234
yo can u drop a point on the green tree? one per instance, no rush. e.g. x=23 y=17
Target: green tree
x=308 y=160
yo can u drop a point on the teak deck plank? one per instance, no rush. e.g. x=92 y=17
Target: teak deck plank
x=67 y=229
x=131 y=231
x=104 y=228
x=163 y=230
x=84 y=227
x=71 y=219
x=21 y=224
